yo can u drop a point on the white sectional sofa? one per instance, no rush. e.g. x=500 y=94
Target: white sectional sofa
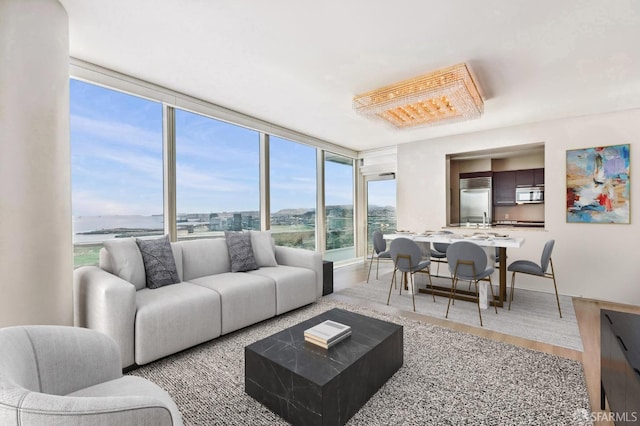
x=210 y=300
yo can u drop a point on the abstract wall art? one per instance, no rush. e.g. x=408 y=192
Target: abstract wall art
x=598 y=184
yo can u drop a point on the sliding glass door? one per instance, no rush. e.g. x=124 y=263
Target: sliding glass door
x=381 y=207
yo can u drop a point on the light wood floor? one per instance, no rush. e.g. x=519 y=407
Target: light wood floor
x=587 y=314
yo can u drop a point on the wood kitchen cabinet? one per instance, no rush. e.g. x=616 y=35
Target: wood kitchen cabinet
x=529 y=178
x=538 y=177
x=504 y=188
x=524 y=178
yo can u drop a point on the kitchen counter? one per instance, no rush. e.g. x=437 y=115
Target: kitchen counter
x=520 y=223
x=539 y=226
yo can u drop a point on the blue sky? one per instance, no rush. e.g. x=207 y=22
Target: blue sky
x=382 y=193
x=116 y=152
x=293 y=175
x=116 y=147
x=217 y=165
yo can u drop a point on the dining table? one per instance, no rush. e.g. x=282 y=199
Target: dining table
x=483 y=239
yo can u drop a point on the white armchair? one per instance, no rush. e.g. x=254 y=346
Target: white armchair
x=58 y=375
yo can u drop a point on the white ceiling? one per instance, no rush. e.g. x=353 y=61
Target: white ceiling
x=298 y=64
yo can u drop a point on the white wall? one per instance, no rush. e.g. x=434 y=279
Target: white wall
x=36 y=260
x=599 y=261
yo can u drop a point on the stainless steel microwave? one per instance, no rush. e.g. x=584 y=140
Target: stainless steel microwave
x=530 y=195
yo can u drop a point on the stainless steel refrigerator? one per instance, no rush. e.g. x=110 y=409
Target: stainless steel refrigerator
x=475 y=200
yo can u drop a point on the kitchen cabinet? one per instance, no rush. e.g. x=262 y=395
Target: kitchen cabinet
x=538 y=177
x=504 y=188
x=524 y=178
x=620 y=363
x=529 y=177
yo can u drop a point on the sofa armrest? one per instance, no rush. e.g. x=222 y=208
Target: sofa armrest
x=71 y=358
x=40 y=409
x=302 y=258
x=107 y=303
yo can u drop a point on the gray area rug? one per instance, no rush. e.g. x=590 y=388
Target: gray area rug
x=448 y=378
x=533 y=314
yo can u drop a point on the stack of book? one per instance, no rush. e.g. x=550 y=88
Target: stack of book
x=327 y=333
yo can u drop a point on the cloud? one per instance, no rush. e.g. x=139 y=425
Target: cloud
x=85 y=131
x=294 y=184
x=94 y=203
x=200 y=138
x=191 y=178
x=109 y=170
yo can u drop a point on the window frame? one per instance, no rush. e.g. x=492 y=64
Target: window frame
x=94 y=74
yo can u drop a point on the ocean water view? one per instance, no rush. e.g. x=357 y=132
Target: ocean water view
x=83 y=224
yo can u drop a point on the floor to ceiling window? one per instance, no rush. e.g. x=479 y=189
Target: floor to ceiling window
x=338 y=180
x=217 y=176
x=118 y=180
x=381 y=208
x=116 y=168
x=293 y=193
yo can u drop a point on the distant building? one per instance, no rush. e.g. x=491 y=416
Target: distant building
x=237 y=222
x=215 y=222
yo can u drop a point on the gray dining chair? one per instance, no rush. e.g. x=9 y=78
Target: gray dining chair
x=468 y=261
x=439 y=253
x=496 y=262
x=531 y=268
x=379 y=251
x=407 y=258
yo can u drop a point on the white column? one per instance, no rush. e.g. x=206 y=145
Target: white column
x=36 y=259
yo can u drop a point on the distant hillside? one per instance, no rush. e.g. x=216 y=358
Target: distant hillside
x=293 y=212
x=301 y=211
x=387 y=208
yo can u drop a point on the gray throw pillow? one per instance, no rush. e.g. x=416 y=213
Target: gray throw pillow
x=263 y=248
x=159 y=264
x=240 y=251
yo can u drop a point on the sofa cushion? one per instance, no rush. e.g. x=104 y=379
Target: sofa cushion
x=126 y=261
x=172 y=318
x=263 y=248
x=204 y=257
x=245 y=299
x=159 y=264
x=295 y=287
x=240 y=251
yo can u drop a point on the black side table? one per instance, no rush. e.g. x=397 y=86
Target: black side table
x=327 y=277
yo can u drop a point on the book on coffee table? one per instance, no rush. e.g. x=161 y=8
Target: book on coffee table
x=327 y=333
x=326 y=345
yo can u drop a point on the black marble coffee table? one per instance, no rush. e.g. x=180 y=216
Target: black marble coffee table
x=308 y=385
